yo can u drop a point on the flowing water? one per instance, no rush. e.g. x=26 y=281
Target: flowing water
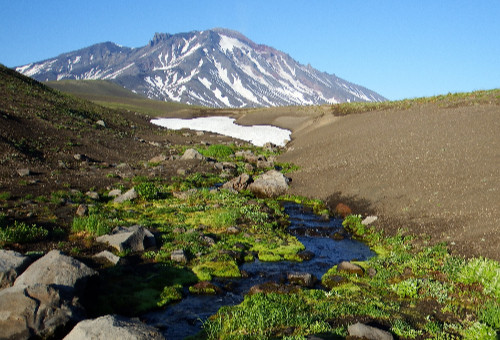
x=315 y=232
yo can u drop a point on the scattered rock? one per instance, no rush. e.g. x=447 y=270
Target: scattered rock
x=306 y=255
x=263 y=164
x=92 y=195
x=184 y=194
x=330 y=281
x=134 y=238
x=57 y=269
x=128 y=196
x=369 y=220
x=36 y=311
x=342 y=210
x=158 y=159
x=82 y=210
x=205 y=288
x=192 y=154
x=100 y=122
x=303 y=279
x=273 y=287
x=368 y=332
x=23 y=172
x=249 y=167
x=371 y=272
x=113 y=327
x=12 y=264
x=108 y=256
x=233 y=230
x=115 y=193
x=179 y=256
x=271 y=184
x=239 y=183
x=351 y=268
x=208 y=240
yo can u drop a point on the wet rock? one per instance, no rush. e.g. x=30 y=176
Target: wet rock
x=179 y=256
x=306 y=255
x=368 y=332
x=239 y=183
x=23 y=172
x=192 y=154
x=128 y=196
x=36 y=311
x=350 y=268
x=82 y=210
x=205 y=288
x=303 y=279
x=369 y=220
x=134 y=238
x=273 y=287
x=108 y=256
x=271 y=184
x=12 y=264
x=113 y=327
x=55 y=268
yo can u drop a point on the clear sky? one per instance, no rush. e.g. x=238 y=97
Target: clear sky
x=398 y=48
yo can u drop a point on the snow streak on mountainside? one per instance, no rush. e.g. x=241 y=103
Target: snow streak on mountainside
x=215 y=68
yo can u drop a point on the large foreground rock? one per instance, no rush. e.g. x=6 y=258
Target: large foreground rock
x=12 y=264
x=113 y=327
x=134 y=238
x=271 y=184
x=55 y=268
x=35 y=311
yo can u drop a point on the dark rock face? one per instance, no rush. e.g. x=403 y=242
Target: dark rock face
x=215 y=68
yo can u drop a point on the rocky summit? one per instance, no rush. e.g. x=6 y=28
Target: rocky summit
x=214 y=68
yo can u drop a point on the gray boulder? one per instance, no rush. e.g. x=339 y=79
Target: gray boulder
x=303 y=279
x=192 y=154
x=367 y=332
x=271 y=184
x=113 y=327
x=108 y=256
x=36 y=311
x=12 y=264
x=179 y=256
x=128 y=196
x=239 y=183
x=55 y=268
x=134 y=238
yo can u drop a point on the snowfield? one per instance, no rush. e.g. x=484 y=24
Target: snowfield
x=257 y=134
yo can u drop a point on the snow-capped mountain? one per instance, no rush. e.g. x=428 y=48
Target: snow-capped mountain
x=215 y=68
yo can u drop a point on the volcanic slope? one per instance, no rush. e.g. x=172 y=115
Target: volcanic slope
x=431 y=166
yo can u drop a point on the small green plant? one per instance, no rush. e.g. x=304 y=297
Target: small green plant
x=4 y=196
x=147 y=190
x=21 y=232
x=407 y=289
x=169 y=294
x=217 y=151
x=95 y=224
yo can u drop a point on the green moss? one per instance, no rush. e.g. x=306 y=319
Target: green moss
x=206 y=270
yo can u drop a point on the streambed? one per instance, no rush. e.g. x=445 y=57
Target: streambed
x=186 y=317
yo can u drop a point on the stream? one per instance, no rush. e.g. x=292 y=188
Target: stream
x=185 y=318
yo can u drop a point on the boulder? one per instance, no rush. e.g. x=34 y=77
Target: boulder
x=55 y=268
x=271 y=184
x=12 y=264
x=92 y=195
x=101 y=122
x=303 y=279
x=128 y=196
x=369 y=220
x=239 y=183
x=115 y=193
x=351 y=268
x=158 y=159
x=179 y=256
x=192 y=154
x=134 y=238
x=368 y=332
x=113 y=327
x=23 y=172
x=108 y=256
x=36 y=311
x=82 y=210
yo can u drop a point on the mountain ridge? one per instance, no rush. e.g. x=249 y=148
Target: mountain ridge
x=214 y=68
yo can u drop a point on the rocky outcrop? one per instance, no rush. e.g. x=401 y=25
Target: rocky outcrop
x=113 y=327
x=239 y=183
x=134 y=238
x=35 y=311
x=271 y=184
x=11 y=265
x=128 y=196
x=192 y=154
x=55 y=268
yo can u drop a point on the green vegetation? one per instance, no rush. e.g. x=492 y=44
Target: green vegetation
x=21 y=232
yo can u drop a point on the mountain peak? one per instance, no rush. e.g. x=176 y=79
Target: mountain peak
x=215 y=68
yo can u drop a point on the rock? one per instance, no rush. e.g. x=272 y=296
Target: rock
x=108 y=256
x=58 y=269
x=206 y=288
x=113 y=327
x=330 y=281
x=192 y=154
x=100 y=122
x=263 y=164
x=249 y=167
x=179 y=256
x=36 y=311
x=239 y=183
x=183 y=195
x=134 y=238
x=128 y=196
x=303 y=279
x=271 y=184
x=233 y=230
x=209 y=241
x=372 y=272
x=351 y=268
x=115 y=193
x=342 y=210
x=82 y=210
x=92 y=194
x=368 y=332
x=12 y=264
x=306 y=255
x=158 y=159
x=23 y=172
x=369 y=220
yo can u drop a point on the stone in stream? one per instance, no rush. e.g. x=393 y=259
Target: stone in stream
x=303 y=279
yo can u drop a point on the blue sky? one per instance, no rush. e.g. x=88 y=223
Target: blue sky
x=400 y=49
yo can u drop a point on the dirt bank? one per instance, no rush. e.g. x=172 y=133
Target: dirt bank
x=434 y=171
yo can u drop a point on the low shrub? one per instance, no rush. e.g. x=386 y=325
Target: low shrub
x=21 y=232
